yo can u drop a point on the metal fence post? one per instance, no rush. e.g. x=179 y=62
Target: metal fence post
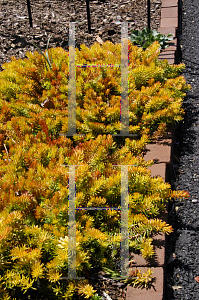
x=29 y=13
x=149 y=14
x=88 y=16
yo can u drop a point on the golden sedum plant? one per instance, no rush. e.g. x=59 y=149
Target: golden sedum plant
x=155 y=90
x=35 y=155
x=34 y=211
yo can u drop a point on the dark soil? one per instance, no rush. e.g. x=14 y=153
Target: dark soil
x=184 y=216
x=52 y=17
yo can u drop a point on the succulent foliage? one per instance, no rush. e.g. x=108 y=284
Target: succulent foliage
x=35 y=155
x=146 y=37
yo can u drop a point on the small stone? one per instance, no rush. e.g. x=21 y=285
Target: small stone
x=120 y=284
x=99 y=40
x=106 y=296
x=41 y=44
x=129 y=19
x=194 y=200
x=176 y=287
x=101 y=273
x=171 y=258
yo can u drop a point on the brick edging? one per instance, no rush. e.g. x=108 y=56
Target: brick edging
x=169 y=24
x=161 y=153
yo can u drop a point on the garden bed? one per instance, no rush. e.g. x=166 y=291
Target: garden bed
x=32 y=136
x=51 y=17
x=116 y=292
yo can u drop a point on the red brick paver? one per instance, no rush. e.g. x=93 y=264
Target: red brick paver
x=158 y=170
x=154 y=292
x=169 y=22
x=159 y=254
x=167 y=30
x=169 y=3
x=169 y=12
x=160 y=152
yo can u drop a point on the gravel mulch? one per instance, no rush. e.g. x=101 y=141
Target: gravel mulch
x=184 y=215
x=52 y=17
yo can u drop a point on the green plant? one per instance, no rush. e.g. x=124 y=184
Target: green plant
x=146 y=37
x=46 y=56
x=96 y=297
x=138 y=278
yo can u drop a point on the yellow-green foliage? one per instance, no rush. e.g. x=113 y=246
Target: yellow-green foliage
x=34 y=172
x=155 y=91
x=34 y=208
x=139 y=278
